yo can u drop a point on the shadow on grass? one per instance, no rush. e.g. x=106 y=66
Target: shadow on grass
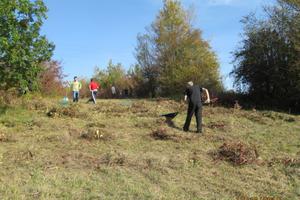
x=171 y=124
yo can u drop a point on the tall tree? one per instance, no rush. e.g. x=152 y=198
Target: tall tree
x=173 y=52
x=267 y=63
x=22 y=47
x=145 y=56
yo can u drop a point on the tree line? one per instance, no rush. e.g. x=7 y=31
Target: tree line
x=169 y=53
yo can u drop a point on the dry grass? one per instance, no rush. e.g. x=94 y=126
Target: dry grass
x=123 y=149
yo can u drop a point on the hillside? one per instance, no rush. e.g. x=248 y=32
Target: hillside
x=122 y=149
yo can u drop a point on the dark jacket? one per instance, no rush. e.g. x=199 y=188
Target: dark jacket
x=194 y=94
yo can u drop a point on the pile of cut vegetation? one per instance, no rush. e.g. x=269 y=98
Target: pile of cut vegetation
x=237 y=153
x=70 y=111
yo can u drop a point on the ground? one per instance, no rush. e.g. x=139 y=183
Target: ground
x=123 y=149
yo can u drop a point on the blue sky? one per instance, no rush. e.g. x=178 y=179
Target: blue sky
x=87 y=33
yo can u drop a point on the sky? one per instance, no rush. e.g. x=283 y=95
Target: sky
x=88 y=33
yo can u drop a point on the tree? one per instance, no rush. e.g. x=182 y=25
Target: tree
x=114 y=74
x=51 y=79
x=145 y=56
x=172 y=52
x=22 y=47
x=267 y=63
x=140 y=86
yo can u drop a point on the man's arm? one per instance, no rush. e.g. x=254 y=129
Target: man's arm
x=186 y=95
x=207 y=95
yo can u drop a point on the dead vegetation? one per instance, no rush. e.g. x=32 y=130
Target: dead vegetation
x=139 y=107
x=237 y=153
x=69 y=111
x=37 y=103
x=172 y=105
x=113 y=159
x=160 y=133
x=220 y=125
x=4 y=137
x=97 y=134
x=127 y=140
x=286 y=161
x=112 y=108
x=96 y=125
x=164 y=134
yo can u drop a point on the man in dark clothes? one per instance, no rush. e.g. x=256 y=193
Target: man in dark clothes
x=193 y=95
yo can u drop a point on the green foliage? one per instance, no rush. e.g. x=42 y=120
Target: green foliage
x=22 y=48
x=172 y=52
x=114 y=74
x=267 y=64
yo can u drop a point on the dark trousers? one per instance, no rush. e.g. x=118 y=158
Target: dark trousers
x=197 y=110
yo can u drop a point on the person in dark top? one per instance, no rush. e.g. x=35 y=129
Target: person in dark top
x=193 y=95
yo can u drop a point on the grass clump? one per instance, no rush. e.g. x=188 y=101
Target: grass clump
x=113 y=159
x=97 y=134
x=279 y=116
x=160 y=133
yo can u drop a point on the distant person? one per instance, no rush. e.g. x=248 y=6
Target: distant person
x=93 y=86
x=113 y=91
x=193 y=95
x=76 y=87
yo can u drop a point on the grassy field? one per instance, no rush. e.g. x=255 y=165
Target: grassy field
x=122 y=149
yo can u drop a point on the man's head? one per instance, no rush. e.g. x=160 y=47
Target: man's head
x=190 y=84
x=92 y=80
x=75 y=78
